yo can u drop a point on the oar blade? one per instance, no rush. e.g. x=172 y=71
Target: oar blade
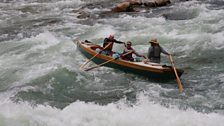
x=177 y=77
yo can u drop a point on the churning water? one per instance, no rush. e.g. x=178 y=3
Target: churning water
x=41 y=83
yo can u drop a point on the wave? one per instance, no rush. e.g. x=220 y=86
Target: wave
x=143 y=113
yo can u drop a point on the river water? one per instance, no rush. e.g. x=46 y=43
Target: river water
x=41 y=83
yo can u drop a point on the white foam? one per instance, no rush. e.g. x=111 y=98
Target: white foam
x=100 y=31
x=143 y=113
x=41 y=41
x=217 y=41
x=35 y=57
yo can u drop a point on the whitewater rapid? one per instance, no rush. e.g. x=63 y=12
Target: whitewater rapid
x=143 y=113
x=41 y=83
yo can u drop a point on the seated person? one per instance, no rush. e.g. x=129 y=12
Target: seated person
x=108 y=44
x=127 y=49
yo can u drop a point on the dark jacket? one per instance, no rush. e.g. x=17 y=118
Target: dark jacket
x=107 y=41
x=154 y=53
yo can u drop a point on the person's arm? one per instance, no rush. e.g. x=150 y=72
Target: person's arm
x=149 y=52
x=138 y=54
x=120 y=42
x=164 y=51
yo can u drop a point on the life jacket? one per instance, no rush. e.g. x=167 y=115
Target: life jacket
x=155 y=53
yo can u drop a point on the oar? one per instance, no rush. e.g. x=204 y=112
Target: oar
x=175 y=71
x=99 y=65
x=93 y=56
x=88 y=69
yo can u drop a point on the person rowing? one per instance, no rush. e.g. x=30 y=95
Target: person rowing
x=128 y=48
x=108 y=48
x=155 y=50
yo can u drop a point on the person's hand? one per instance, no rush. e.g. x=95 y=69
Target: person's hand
x=124 y=44
x=145 y=61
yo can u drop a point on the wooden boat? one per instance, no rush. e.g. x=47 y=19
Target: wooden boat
x=153 y=71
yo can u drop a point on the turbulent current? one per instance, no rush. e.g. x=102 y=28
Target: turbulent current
x=41 y=83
